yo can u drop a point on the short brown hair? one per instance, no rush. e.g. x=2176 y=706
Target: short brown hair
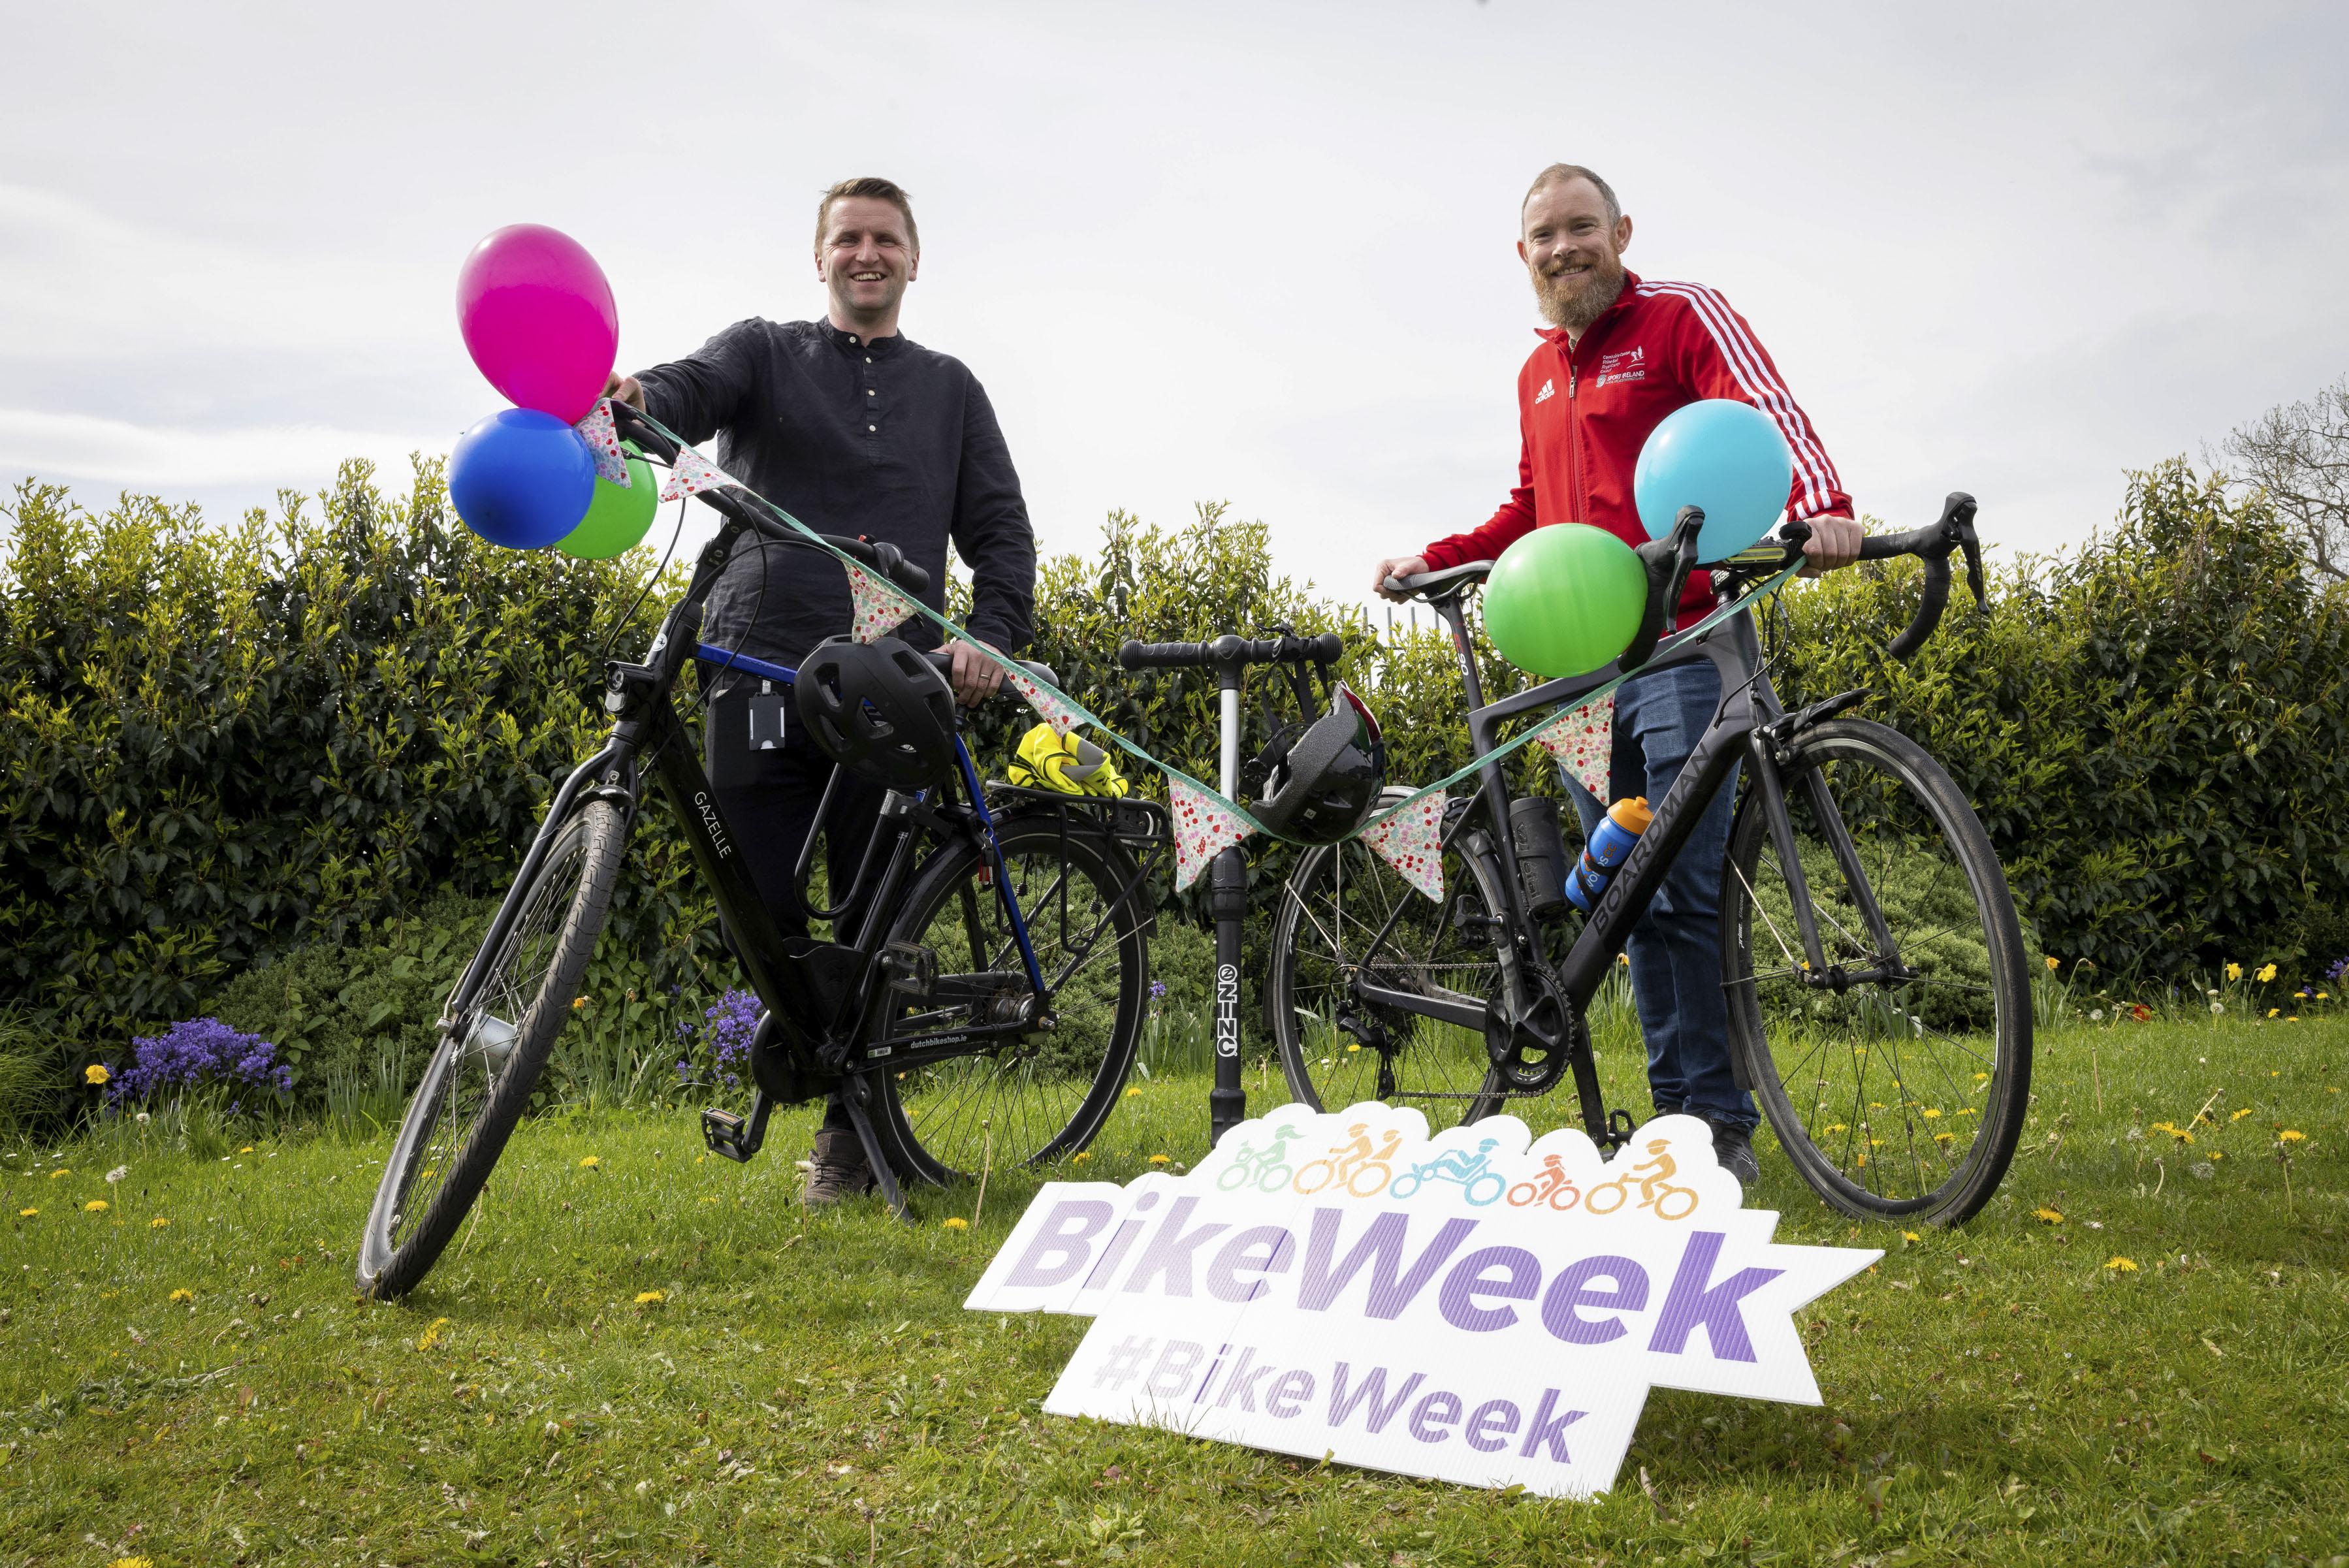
x=879 y=190
x=1557 y=173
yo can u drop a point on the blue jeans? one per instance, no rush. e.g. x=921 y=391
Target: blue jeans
x=1675 y=946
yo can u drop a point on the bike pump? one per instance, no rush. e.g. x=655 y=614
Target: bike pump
x=1227 y=903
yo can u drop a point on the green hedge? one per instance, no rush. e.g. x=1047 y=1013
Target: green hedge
x=229 y=744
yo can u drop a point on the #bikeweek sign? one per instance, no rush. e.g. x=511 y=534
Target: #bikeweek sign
x=1473 y=1307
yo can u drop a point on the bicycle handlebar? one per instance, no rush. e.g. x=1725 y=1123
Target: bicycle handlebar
x=882 y=556
x=1231 y=652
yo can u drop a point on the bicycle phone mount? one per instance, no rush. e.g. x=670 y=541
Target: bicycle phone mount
x=1229 y=657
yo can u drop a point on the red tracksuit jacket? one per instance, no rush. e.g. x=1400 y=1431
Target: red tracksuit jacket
x=1584 y=409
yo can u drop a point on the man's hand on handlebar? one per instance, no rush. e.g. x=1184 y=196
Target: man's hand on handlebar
x=975 y=676
x=1396 y=567
x=626 y=389
x=1833 y=545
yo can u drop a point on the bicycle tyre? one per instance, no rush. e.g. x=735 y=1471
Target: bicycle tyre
x=1923 y=835
x=1048 y=1094
x=459 y=1118
x=1449 y=1080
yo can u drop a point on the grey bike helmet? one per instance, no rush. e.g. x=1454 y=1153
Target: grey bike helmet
x=879 y=709
x=1321 y=779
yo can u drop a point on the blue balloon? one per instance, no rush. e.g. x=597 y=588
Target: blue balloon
x=521 y=478
x=1725 y=456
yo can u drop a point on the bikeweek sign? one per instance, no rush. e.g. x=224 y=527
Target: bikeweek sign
x=1474 y=1307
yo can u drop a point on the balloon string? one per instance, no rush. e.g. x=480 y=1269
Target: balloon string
x=1507 y=748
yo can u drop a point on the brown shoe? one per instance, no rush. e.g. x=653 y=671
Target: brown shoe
x=837 y=1169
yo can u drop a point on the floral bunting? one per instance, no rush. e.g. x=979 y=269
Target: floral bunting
x=1050 y=706
x=603 y=441
x=692 y=473
x=1205 y=826
x=877 y=608
x=1583 y=742
x=1411 y=841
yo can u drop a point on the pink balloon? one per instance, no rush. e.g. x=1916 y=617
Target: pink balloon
x=538 y=318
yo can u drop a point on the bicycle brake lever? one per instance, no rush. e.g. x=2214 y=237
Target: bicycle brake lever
x=1962 y=525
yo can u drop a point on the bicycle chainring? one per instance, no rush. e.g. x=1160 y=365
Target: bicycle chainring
x=1532 y=1050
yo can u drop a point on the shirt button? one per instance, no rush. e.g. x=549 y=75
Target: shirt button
x=873 y=427
x=868 y=358
x=868 y=392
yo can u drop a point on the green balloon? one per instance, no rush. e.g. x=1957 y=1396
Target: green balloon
x=618 y=516
x=1565 y=599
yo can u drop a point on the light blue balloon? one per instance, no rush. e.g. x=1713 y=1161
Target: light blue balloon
x=1725 y=456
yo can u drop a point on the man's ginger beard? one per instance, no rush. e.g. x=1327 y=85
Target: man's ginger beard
x=1575 y=307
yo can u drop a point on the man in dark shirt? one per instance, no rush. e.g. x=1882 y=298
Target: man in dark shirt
x=853 y=430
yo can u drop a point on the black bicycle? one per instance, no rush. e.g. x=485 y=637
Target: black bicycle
x=987 y=1011
x=1879 y=1008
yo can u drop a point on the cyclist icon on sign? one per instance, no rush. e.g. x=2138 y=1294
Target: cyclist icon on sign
x=1472 y=1172
x=1656 y=1191
x=1359 y=1167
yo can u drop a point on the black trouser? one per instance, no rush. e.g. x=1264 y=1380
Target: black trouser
x=768 y=778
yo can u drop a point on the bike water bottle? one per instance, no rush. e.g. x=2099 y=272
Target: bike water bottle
x=1620 y=829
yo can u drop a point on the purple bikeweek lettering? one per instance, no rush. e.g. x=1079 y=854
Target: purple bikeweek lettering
x=1341 y=1283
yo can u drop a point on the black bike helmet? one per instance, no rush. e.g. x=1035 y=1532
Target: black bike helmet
x=1321 y=779
x=879 y=709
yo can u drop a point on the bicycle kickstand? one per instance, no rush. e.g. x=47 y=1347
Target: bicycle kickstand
x=853 y=1094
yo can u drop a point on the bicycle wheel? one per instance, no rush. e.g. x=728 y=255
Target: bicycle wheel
x=1038 y=1094
x=1338 y=1052
x=1898 y=1086
x=493 y=1045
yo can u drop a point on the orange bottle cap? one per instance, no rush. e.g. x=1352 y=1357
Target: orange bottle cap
x=1633 y=815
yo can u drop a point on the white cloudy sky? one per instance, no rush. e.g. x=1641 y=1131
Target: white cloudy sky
x=1256 y=252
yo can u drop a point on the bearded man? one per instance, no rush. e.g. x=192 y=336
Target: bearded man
x=1621 y=353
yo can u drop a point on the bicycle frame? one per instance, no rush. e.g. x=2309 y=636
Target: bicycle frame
x=825 y=1000
x=1749 y=727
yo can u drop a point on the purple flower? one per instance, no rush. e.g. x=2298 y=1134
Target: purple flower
x=726 y=1032
x=2340 y=967
x=1157 y=989
x=197 y=1051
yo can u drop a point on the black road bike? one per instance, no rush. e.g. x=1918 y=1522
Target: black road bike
x=987 y=1012
x=1879 y=1008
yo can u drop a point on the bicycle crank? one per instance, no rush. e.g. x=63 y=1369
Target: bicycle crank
x=1530 y=1050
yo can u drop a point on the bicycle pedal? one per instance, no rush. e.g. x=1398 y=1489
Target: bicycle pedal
x=731 y=1136
x=911 y=969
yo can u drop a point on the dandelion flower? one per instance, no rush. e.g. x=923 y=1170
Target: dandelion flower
x=2054 y=963
x=95 y=1073
x=94 y=1206
x=2218 y=1154
x=2095 y=1015
x=2275 y=1011
x=1158 y=1159
x=1132 y=1092
x=2120 y=1265
x=1910 y=1236
x=577 y=1003
x=590 y=1163
x=132 y=1562
x=1353 y=1044
x=2047 y=1216
x=2291 y=1018
x=2234 y=972
x=1838 y=1128
x=2290 y=1135
x=27 y=1213
x=651 y=1298
x=2267 y=973
x=2239 y=1116
x=956 y=1222
x=156 y=1224
x=61 y=1170
x=1931 y=1113
x=182 y=1295
x=2218 y=1009
x=1083 y=1156
x=432 y=1335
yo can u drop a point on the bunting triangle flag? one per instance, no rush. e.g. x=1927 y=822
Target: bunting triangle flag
x=1205 y=826
x=1411 y=841
x=1583 y=742
x=603 y=441
x=1048 y=707
x=692 y=473
x=876 y=608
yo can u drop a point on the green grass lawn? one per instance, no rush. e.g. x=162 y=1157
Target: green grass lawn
x=641 y=1354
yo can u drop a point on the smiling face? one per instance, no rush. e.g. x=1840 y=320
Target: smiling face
x=1573 y=252
x=866 y=259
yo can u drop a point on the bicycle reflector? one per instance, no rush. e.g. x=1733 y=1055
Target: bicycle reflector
x=879 y=709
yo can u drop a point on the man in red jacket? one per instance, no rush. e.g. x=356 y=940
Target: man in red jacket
x=1621 y=353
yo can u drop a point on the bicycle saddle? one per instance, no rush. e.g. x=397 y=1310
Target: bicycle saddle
x=1435 y=585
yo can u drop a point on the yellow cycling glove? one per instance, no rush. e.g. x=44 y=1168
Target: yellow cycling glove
x=1069 y=763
